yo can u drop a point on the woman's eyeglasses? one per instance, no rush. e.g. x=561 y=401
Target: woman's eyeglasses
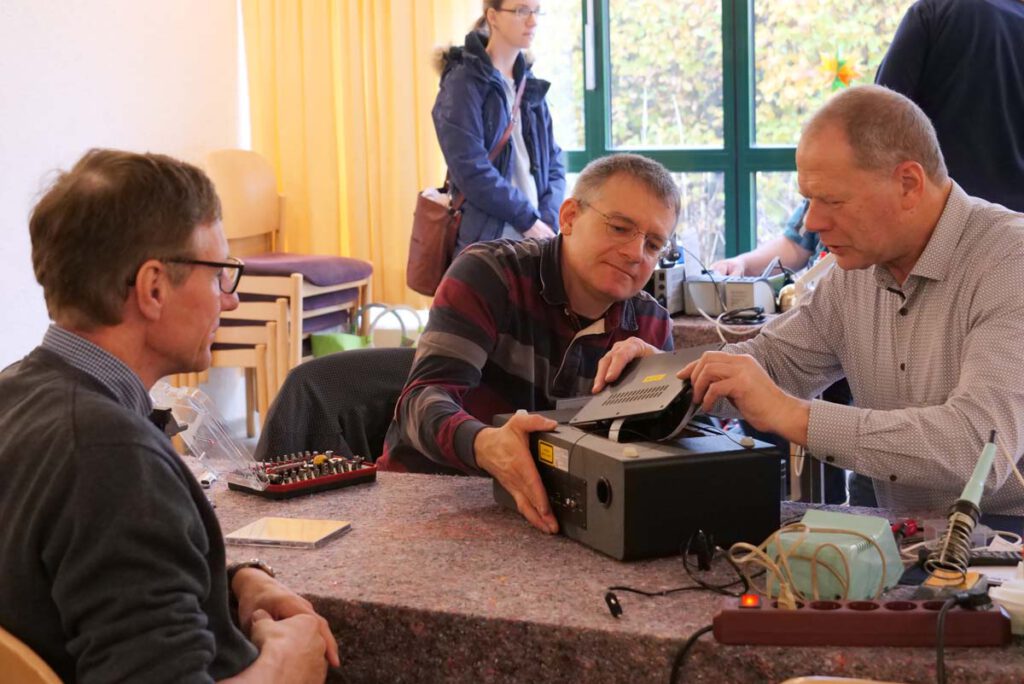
x=523 y=12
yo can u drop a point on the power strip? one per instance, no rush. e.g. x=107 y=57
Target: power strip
x=857 y=623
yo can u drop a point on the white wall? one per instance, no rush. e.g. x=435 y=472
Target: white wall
x=142 y=75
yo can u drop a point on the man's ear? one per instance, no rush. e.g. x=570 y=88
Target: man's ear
x=567 y=214
x=912 y=179
x=150 y=289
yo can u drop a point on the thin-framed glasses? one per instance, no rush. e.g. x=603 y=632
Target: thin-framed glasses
x=228 y=277
x=523 y=12
x=655 y=247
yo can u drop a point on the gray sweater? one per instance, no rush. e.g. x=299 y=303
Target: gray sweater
x=111 y=558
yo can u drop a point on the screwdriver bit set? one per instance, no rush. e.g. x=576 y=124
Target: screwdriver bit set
x=301 y=473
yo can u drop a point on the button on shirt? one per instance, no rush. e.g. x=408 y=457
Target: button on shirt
x=933 y=365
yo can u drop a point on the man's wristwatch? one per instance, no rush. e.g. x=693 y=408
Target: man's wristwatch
x=251 y=563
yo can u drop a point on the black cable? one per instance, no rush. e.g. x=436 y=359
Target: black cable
x=615 y=608
x=718 y=588
x=748 y=315
x=663 y=592
x=940 y=640
x=706 y=271
x=973 y=599
x=677 y=665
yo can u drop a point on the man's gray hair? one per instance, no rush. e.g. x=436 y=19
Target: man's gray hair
x=646 y=171
x=884 y=129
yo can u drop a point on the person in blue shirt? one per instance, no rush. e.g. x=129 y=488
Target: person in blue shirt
x=518 y=195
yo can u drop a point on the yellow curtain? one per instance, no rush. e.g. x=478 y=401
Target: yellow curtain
x=340 y=94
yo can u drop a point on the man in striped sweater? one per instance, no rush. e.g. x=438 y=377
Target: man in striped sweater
x=520 y=325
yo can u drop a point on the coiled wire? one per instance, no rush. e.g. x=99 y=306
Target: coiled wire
x=950 y=559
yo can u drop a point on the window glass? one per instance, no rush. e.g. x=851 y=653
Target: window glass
x=558 y=58
x=701 y=228
x=777 y=196
x=801 y=48
x=666 y=73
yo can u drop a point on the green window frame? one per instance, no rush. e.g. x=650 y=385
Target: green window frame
x=738 y=160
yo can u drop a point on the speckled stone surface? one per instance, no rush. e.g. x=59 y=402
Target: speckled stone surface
x=695 y=331
x=435 y=582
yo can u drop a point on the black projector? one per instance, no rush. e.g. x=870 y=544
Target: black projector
x=647 y=499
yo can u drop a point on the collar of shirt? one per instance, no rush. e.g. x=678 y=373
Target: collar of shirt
x=106 y=368
x=552 y=289
x=936 y=260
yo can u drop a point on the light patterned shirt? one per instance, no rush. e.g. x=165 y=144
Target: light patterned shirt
x=933 y=366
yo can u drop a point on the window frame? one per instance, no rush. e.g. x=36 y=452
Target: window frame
x=739 y=160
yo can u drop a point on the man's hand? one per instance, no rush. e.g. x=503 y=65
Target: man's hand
x=505 y=453
x=539 y=230
x=611 y=364
x=256 y=591
x=292 y=649
x=730 y=267
x=741 y=379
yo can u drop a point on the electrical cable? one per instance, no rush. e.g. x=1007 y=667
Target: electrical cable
x=940 y=639
x=698 y=584
x=719 y=326
x=708 y=272
x=677 y=665
x=779 y=567
x=748 y=315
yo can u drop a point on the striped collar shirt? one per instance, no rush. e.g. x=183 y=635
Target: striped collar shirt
x=107 y=369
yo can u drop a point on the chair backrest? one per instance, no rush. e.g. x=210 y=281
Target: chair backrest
x=343 y=402
x=251 y=206
x=19 y=663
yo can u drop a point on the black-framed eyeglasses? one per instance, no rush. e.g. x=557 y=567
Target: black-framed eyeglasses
x=523 y=12
x=655 y=247
x=228 y=277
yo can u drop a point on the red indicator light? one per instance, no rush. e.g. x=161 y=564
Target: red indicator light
x=750 y=601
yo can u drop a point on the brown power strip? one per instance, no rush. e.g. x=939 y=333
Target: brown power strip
x=858 y=623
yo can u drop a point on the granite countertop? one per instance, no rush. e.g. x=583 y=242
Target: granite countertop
x=436 y=582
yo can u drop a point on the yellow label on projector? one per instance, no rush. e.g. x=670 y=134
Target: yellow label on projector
x=546 y=453
x=654 y=378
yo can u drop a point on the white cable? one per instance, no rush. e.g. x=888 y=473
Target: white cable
x=719 y=326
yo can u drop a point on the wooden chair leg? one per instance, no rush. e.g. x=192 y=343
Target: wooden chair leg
x=262 y=404
x=250 y=402
x=295 y=320
x=282 y=365
x=271 y=383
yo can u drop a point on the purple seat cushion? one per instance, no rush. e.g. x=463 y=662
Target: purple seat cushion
x=315 y=323
x=336 y=320
x=318 y=270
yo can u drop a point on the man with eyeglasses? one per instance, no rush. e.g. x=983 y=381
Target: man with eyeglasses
x=518 y=325
x=112 y=559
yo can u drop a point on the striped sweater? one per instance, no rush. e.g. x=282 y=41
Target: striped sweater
x=501 y=337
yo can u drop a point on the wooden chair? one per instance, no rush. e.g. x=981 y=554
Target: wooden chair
x=252 y=337
x=321 y=290
x=20 y=664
